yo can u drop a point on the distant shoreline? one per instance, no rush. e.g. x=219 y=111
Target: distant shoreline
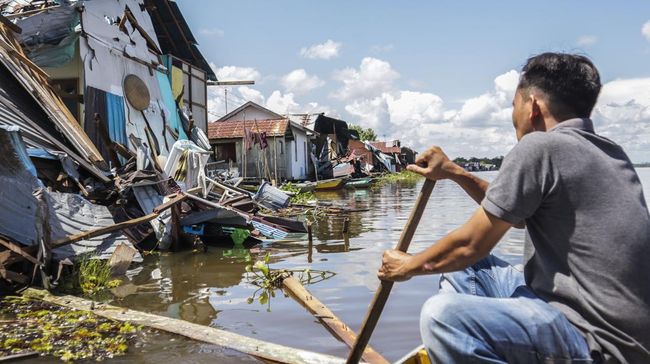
x=641 y=165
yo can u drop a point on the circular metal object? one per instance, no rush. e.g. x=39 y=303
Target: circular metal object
x=136 y=92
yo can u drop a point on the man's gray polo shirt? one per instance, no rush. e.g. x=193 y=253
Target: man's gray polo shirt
x=588 y=221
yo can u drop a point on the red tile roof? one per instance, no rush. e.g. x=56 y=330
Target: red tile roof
x=235 y=129
x=384 y=148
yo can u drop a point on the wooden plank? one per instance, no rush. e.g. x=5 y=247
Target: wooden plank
x=121 y=259
x=119 y=226
x=144 y=34
x=21 y=356
x=103 y=230
x=381 y=296
x=257 y=348
x=13 y=276
x=12 y=56
x=6 y=22
x=18 y=250
x=328 y=318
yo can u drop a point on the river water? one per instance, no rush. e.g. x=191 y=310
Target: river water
x=211 y=289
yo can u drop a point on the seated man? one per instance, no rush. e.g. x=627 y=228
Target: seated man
x=584 y=295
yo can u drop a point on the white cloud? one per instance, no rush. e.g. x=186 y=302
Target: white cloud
x=327 y=50
x=212 y=31
x=587 y=40
x=282 y=103
x=299 y=81
x=235 y=73
x=251 y=94
x=420 y=119
x=645 y=30
x=491 y=108
x=623 y=115
x=373 y=77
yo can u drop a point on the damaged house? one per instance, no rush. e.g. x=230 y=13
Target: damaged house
x=117 y=79
x=262 y=144
x=101 y=128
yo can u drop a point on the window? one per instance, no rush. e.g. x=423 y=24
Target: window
x=281 y=147
x=226 y=152
x=295 y=149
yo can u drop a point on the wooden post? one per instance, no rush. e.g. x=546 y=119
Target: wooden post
x=310 y=245
x=275 y=158
x=176 y=228
x=381 y=296
x=346 y=225
x=328 y=318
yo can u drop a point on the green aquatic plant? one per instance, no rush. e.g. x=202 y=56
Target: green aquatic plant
x=64 y=333
x=95 y=276
x=89 y=277
x=268 y=280
x=297 y=196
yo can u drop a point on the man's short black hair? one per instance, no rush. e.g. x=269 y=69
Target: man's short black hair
x=571 y=82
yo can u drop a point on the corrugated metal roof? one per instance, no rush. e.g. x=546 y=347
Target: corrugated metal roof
x=68 y=213
x=72 y=214
x=235 y=129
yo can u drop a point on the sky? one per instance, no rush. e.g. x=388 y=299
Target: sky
x=427 y=73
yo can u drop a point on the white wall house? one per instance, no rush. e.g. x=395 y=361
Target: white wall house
x=289 y=143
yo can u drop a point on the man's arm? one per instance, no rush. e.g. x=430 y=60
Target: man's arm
x=458 y=250
x=435 y=165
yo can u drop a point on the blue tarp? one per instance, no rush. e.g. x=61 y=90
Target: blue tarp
x=116 y=119
x=171 y=112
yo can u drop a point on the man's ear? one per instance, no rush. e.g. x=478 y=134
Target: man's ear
x=535 y=110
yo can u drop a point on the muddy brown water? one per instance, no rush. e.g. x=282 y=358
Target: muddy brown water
x=211 y=289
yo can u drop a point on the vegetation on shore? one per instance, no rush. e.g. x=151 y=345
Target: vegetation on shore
x=496 y=161
x=402 y=178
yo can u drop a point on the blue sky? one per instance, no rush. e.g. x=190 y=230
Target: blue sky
x=424 y=72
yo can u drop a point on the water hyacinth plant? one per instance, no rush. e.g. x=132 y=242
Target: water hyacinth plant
x=64 y=333
x=261 y=275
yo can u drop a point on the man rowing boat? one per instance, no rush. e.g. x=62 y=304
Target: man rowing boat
x=584 y=294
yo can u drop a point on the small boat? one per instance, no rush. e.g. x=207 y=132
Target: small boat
x=330 y=184
x=363 y=182
x=417 y=356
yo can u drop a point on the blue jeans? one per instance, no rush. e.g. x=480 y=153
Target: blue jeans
x=487 y=314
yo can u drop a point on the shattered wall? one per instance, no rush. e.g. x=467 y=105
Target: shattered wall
x=109 y=54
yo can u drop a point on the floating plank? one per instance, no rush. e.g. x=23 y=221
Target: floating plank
x=254 y=347
x=329 y=319
x=121 y=259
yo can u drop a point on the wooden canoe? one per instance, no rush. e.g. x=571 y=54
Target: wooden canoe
x=363 y=182
x=330 y=184
x=416 y=356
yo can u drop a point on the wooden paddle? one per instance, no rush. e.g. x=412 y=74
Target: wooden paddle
x=381 y=296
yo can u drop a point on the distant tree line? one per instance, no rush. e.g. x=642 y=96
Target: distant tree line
x=496 y=161
x=646 y=164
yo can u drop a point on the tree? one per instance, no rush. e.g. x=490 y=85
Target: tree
x=364 y=134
